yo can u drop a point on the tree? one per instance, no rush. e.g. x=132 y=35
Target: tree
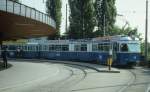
x=106 y=16
x=81 y=19
x=54 y=10
x=129 y=31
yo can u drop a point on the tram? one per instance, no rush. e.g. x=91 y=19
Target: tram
x=126 y=50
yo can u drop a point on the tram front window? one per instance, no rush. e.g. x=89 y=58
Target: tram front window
x=134 y=47
x=124 y=47
x=130 y=47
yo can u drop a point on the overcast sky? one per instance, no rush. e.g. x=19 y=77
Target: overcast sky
x=133 y=11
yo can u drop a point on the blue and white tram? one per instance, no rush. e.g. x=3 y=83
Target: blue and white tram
x=126 y=51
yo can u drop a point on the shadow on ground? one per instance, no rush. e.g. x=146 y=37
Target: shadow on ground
x=2 y=66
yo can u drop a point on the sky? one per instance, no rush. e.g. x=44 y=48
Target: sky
x=132 y=11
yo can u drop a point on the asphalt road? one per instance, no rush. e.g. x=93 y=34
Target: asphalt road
x=59 y=77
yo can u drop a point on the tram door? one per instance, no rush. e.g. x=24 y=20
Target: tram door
x=38 y=49
x=115 y=50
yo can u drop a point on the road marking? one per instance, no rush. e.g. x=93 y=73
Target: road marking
x=148 y=89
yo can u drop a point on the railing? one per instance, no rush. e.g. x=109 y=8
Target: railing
x=28 y=12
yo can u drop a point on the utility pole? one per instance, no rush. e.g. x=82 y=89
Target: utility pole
x=66 y=18
x=146 y=32
x=104 y=26
x=105 y=19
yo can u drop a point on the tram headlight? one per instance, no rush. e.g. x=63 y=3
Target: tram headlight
x=100 y=57
x=135 y=57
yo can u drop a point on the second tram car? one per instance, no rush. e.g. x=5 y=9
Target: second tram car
x=126 y=51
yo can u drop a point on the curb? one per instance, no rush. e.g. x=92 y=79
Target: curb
x=91 y=66
x=107 y=71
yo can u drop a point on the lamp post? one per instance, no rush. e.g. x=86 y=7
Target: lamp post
x=146 y=32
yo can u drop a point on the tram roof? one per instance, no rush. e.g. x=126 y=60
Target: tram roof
x=116 y=38
x=106 y=39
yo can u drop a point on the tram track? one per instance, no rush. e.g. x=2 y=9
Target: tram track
x=129 y=83
x=136 y=81
x=74 y=78
x=147 y=83
x=77 y=74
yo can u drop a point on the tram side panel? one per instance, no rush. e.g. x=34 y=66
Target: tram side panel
x=127 y=58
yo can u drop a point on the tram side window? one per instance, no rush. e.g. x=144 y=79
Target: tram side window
x=94 y=47
x=24 y=48
x=31 y=48
x=45 y=47
x=124 y=47
x=11 y=47
x=28 y=48
x=51 y=47
x=82 y=47
x=103 y=47
x=37 y=48
x=58 y=47
x=100 y=47
x=77 y=47
x=65 y=47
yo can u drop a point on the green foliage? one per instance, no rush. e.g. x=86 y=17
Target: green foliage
x=106 y=16
x=81 y=19
x=126 y=31
x=54 y=10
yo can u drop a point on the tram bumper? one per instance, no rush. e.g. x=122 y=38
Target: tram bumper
x=128 y=58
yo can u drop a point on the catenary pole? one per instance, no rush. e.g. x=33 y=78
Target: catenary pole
x=146 y=32
x=66 y=18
